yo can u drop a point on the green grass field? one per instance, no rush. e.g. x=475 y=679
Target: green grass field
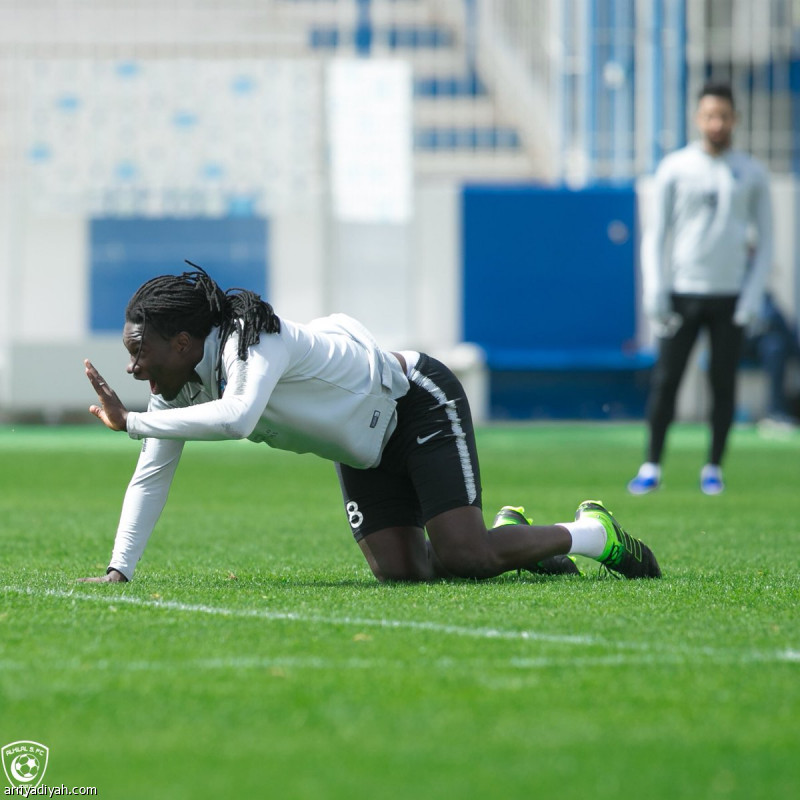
x=254 y=654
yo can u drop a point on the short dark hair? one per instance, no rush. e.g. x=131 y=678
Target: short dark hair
x=716 y=89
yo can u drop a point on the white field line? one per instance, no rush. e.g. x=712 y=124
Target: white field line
x=492 y=673
x=319 y=619
x=649 y=653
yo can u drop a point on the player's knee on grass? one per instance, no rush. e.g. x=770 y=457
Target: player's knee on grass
x=397 y=563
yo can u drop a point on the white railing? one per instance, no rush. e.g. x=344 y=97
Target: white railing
x=750 y=45
x=617 y=80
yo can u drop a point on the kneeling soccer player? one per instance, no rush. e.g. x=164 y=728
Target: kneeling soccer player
x=222 y=365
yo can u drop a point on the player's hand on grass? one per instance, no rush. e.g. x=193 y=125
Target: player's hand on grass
x=111 y=411
x=112 y=576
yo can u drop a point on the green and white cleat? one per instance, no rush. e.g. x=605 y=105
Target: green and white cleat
x=553 y=565
x=623 y=553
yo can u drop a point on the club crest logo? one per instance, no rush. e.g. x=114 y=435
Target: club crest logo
x=25 y=763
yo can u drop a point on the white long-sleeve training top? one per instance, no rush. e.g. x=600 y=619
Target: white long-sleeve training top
x=323 y=388
x=698 y=239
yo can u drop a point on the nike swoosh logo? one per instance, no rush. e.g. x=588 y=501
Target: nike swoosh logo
x=423 y=439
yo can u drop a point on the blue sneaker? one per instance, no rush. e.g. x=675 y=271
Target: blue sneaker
x=647 y=480
x=554 y=565
x=711 y=480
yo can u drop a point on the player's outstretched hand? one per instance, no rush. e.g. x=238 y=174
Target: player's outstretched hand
x=111 y=411
x=113 y=576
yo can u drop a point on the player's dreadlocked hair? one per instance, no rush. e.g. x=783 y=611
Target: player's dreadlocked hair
x=194 y=303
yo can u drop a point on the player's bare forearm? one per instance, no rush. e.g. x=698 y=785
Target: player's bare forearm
x=110 y=411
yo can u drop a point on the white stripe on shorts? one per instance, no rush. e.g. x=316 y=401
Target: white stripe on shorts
x=424 y=382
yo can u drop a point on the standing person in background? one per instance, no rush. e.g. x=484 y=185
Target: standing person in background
x=702 y=269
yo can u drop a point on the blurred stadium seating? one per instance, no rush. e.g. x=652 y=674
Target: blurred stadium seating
x=223 y=109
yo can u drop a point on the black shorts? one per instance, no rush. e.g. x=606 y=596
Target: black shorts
x=429 y=464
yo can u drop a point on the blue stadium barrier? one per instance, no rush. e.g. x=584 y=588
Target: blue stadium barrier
x=126 y=252
x=549 y=295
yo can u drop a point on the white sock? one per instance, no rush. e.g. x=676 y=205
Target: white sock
x=711 y=471
x=650 y=470
x=589 y=537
